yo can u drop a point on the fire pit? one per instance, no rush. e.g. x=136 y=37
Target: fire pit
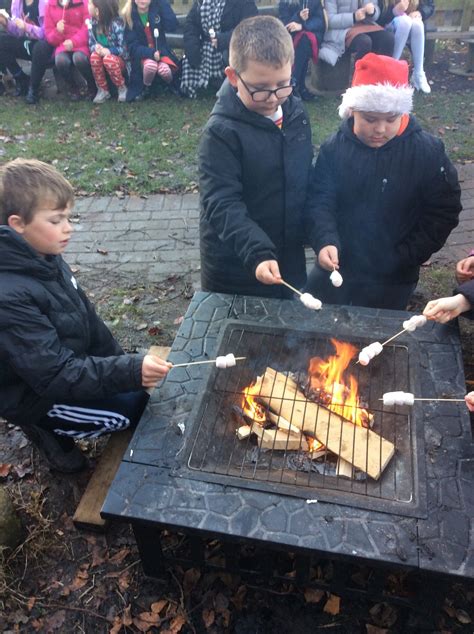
x=391 y=485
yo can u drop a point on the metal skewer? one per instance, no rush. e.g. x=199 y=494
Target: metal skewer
x=291 y=287
x=182 y=365
x=451 y=400
x=391 y=339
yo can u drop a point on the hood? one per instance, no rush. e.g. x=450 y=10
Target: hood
x=17 y=256
x=228 y=105
x=348 y=131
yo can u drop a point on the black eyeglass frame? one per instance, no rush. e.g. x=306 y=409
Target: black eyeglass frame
x=268 y=92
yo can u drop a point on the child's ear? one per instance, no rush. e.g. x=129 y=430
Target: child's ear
x=231 y=76
x=16 y=223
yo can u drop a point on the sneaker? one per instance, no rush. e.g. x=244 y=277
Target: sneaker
x=101 y=96
x=60 y=451
x=122 y=93
x=420 y=82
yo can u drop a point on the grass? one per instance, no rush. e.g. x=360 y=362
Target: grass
x=151 y=147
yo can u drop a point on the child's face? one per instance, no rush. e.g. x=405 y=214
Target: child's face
x=93 y=10
x=375 y=129
x=142 y=5
x=258 y=76
x=48 y=232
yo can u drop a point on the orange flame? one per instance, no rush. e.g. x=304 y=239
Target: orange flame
x=338 y=394
x=250 y=407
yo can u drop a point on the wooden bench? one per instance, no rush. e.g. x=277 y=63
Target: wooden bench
x=452 y=21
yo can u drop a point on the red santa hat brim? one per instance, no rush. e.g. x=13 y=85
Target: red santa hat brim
x=383 y=98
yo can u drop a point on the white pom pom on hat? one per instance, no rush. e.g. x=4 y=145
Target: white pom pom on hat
x=379 y=84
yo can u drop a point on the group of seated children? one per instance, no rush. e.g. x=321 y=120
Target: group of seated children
x=110 y=50
x=381 y=198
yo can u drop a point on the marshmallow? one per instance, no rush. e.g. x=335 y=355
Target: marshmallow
x=310 y=302
x=414 y=322
x=156 y=33
x=369 y=352
x=409 y=325
x=364 y=358
x=420 y=320
x=230 y=360
x=221 y=362
x=377 y=347
x=336 y=279
x=398 y=398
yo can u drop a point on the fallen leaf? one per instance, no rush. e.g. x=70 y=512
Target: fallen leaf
x=333 y=605
x=103 y=251
x=208 y=617
x=175 y=625
x=312 y=595
x=5 y=470
x=158 y=606
x=124 y=580
x=142 y=326
x=463 y=617
x=119 y=556
x=31 y=603
x=22 y=470
x=55 y=621
x=191 y=577
x=178 y=320
x=154 y=330
x=80 y=580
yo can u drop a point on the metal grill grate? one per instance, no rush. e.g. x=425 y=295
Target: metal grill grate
x=216 y=454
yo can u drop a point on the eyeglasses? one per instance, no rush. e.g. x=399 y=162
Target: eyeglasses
x=264 y=95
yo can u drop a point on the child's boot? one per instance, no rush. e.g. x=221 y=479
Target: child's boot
x=22 y=82
x=419 y=81
x=122 y=93
x=60 y=451
x=32 y=96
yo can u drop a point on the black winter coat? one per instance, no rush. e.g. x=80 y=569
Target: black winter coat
x=290 y=12
x=467 y=289
x=160 y=16
x=253 y=183
x=234 y=12
x=53 y=346
x=387 y=209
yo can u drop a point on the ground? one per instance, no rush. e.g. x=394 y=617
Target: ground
x=64 y=580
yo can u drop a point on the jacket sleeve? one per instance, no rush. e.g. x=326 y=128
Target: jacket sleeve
x=288 y=12
x=53 y=36
x=440 y=195
x=80 y=38
x=467 y=289
x=248 y=10
x=321 y=204
x=192 y=33
x=338 y=20
x=32 y=31
x=54 y=371
x=223 y=206
x=316 y=22
x=170 y=21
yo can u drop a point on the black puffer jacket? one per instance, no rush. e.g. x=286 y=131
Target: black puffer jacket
x=193 y=35
x=53 y=346
x=388 y=209
x=253 y=183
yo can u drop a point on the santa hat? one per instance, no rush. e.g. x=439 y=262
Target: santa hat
x=379 y=84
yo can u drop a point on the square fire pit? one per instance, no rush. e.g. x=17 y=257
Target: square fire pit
x=186 y=471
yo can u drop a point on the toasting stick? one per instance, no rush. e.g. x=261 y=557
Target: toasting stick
x=223 y=362
x=409 y=325
x=306 y=298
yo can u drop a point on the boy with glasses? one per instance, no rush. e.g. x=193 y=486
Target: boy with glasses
x=254 y=164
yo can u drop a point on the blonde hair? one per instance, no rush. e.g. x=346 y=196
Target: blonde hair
x=27 y=184
x=126 y=13
x=263 y=39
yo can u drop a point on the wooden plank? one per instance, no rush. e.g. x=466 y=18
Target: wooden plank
x=362 y=447
x=87 y=513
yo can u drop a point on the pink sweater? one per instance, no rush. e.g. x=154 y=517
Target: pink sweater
x=75 y=29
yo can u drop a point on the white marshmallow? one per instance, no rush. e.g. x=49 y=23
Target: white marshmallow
x=370 y=352
x=398 y=398
x=409 y=325
x=336 y=279
x=310 y=302
x=230 y=360
x=364 y=358
x=377 y=347
x=420 y=320
x=221 y=362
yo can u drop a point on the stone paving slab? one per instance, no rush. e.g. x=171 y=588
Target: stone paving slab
x=158 y=236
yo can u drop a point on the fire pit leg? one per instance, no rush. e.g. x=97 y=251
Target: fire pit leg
x=149 y=546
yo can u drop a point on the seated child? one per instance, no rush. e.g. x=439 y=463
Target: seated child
x=384 y=197
x=63 y=375
x=254 y=164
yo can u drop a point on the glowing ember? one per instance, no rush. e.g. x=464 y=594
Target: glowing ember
x=314 y=445
x=250 y=407
x=336 y=391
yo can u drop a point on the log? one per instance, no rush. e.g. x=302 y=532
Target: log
x=363 y=448
x=279 y=440
x=282 y=423
x=243 y=432
x=344 y=469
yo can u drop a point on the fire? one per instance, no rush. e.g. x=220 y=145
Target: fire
x=338 y=393
x=250 y=407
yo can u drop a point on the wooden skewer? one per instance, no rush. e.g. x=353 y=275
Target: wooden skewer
x=291 y=287
x=183 y=365
x=391 y=339
x=451 y=400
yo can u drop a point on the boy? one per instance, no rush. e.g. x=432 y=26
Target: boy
x=62 y=374
x=384 y=195
x=254 y=163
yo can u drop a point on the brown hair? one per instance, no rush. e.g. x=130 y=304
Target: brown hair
x=108 y=11
x=26 y=185
x=263 y=39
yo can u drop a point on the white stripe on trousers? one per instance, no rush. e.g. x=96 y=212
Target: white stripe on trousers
x=104 y=420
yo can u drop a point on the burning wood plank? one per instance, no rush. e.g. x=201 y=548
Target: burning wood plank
x=282 y=423
x=279 y=440
x=362 y=447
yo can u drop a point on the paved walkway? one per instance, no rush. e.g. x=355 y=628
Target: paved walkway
x=157 y=236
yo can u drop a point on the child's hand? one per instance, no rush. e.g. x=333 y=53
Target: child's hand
x=469 y=398
x=104 y=52
x=465 y=269
x=304 y=14
x=415 y=15
x=153 y=370
x=446 y=308
x=68 y=45
x=156 y=56
x=293 y=27
x=60 y=26
x=3 y=20
x=360 y=14
x=369 y=9
x=268 y=272
x=328 y=258
x=20 y=24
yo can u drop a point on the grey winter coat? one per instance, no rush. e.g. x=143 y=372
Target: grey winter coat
x=340 y=20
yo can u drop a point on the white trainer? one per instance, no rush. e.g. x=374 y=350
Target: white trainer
x=122 y=93
x=101 y=96
x=420 y=82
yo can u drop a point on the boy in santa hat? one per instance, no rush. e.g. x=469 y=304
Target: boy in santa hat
x=384 y=195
